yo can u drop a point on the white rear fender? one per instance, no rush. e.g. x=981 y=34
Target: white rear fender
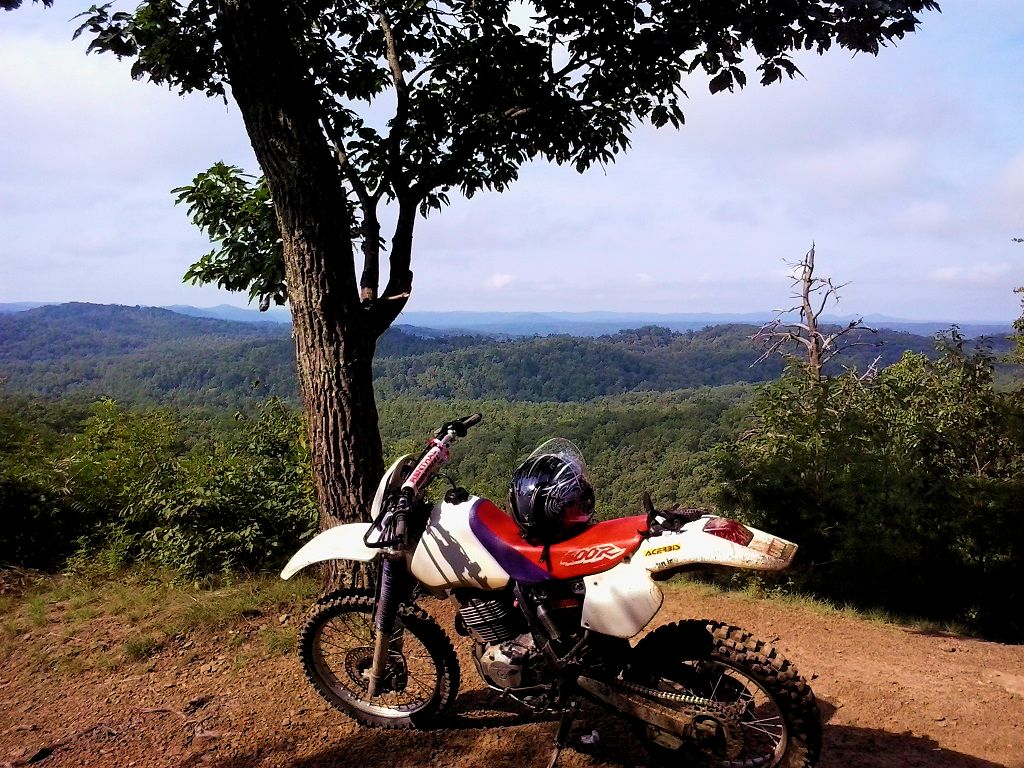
x=343 y=542
x=695 y=545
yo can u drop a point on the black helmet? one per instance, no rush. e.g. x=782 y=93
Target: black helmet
x=550 y=494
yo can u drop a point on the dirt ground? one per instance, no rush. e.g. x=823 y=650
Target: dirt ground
x=890 y=696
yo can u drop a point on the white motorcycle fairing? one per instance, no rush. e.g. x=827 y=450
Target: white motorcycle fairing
x=450 y=554
x=622 y=601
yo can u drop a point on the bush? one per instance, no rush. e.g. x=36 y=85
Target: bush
x=156 y=486
x=905 y=491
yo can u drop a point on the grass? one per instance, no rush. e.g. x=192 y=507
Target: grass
x=142 y=646
x=278 y=641
x=81 y=622
x=105 y=621
x=756 y=589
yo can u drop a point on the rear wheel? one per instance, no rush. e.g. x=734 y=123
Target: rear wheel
x=336 y=650
x=754 y=708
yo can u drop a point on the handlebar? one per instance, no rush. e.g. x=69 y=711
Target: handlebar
x=459 y=426
x=437 y=452
x=414 y=485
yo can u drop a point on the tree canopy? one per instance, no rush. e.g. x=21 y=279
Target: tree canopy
x=417 y=99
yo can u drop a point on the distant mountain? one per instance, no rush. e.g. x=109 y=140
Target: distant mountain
x=505 y=325
x=602 y=323
x=237 y=314
x=150 y=355
x=571 y=323
x=59 y=331
x=20 y=306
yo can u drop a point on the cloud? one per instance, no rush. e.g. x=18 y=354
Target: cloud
x=980 y=274
x=926 y=217
x=857 y=166
x=1008 y=193
x=498 y=281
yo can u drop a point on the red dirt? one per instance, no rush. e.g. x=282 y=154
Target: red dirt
x=891 y=697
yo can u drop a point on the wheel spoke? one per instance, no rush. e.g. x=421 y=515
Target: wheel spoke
x=775 y=735
x=337 y=644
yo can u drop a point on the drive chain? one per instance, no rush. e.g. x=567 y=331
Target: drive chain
x=694 y=705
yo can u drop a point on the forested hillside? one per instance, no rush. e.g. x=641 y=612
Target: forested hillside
x=914 y=474
x=145 y=355
x=202 y=491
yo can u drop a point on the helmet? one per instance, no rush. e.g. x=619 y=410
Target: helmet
x=550 y=493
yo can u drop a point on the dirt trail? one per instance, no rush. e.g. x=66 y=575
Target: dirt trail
x=892 y=698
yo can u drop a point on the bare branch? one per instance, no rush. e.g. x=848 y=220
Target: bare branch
x=814 y=295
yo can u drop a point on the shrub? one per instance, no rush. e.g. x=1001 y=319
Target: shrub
x=904 y=490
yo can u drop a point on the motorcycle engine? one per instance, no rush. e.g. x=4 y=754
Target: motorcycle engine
x=512 y=664
x=505 y=651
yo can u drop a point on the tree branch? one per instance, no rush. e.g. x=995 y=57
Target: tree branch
x=369 y=280
x=396 y=294
x=369 y=224
x=400 y=121
x=819 y=347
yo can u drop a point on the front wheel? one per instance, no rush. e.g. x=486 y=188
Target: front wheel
x=753 y=708
x=336 y=649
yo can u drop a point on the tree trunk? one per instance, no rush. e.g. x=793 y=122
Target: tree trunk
x=334 y=339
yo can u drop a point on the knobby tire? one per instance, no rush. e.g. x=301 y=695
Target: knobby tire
x=337 y=676
x=710 y=642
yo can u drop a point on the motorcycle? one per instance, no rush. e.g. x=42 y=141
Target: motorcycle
x=551 y=622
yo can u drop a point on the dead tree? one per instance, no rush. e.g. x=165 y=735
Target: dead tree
x=781 y=335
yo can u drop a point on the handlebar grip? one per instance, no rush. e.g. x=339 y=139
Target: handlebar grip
x=460 y=426
x=472 y=420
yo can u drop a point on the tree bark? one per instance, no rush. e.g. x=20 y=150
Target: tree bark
x=334 y=338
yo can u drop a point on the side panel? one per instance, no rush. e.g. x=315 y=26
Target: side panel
x=343 y=542
x=622 y=601
x=450 y=555
x=692 y=546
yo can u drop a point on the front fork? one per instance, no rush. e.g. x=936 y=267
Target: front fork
x=392 y=592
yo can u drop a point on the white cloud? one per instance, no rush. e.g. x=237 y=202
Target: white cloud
x=1008 y=203
x=498 y=281
x=980 y=274
x=857 y=166
x=926 y=217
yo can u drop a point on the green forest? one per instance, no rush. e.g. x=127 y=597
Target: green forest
x=149 y=356
x=181 y=447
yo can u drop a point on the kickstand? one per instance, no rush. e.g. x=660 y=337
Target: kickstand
x=562 y=736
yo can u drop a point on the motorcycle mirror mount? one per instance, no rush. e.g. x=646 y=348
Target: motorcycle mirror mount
x=649 y=510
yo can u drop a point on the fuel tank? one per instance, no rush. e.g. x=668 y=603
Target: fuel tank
x=449 y=553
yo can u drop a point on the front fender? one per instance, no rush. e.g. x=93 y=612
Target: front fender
x=343 y=542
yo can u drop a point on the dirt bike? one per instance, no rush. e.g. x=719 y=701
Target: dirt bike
x=551 y=623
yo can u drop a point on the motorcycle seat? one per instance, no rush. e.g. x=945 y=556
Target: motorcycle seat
x=595 y=549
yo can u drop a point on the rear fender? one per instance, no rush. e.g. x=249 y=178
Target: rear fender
x=693 y=546
x=343 y=542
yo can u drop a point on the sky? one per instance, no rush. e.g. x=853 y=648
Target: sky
x=905 y=170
